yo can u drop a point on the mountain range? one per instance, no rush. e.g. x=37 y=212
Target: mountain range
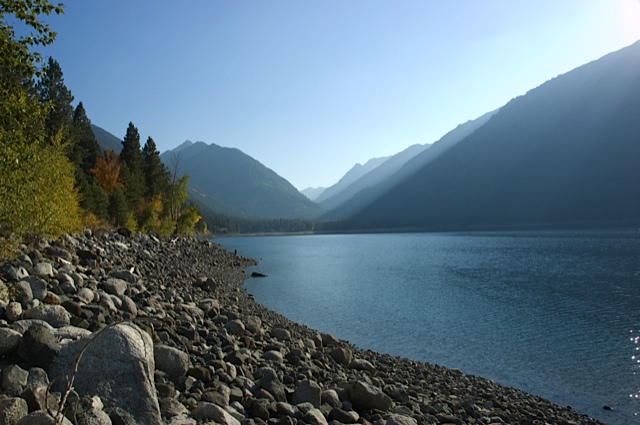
x=565 y=153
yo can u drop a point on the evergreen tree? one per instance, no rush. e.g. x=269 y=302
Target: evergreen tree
x=84 y=149
x=118 y=209
x=155 y=173
x=132 y=167
x=58 y=98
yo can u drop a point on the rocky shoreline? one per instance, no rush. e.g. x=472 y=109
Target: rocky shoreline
x=109 y=328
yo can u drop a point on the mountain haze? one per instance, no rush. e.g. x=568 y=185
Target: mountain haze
x=106 y=140
x=230 y=182
x=566 y=152
x=398 y=168
x=354 y=174
x=313 y=192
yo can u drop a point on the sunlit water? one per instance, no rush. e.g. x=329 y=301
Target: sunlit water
x=556 y=314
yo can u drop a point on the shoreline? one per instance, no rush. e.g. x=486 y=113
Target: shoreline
x=245 y=364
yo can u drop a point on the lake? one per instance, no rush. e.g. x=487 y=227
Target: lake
x=554 y=313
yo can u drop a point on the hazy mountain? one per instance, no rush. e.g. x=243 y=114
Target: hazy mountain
x=397 y=169
x=106 y=140
x=313 y=192
x=566 y=152
x=353 y=175
x=230 y=182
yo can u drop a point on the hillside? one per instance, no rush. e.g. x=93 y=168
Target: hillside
x=567 y=152
x=232 y=183
x=353 y=175
x=106 y=140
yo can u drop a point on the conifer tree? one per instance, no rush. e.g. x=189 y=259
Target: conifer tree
x=58 y=98
x=155 y=173
x=84 y=149
x=132 y=168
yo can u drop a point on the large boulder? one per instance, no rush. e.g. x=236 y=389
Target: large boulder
x=364 y=396
x=117 y=366
x=172 y=361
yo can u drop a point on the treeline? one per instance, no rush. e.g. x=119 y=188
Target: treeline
x=53 y=176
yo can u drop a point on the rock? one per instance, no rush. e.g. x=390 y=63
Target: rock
x=331 y=398
x=171 y=361
x=43 y=270
x=12 y=409
x=9 y=341
x=210 y=307
x=314 y=417
x=66 y=283
x=126 y=275
x=258 y=274
x=13 y=311
x=235 y=327
x=57 y=252
x=86 y=295
x=210 y=412
x=343 y=416
x=364 y=396
x=269 y=382
x=70 y=332
x=115 y=286
x=14 y=376
x=329 y=340
x=38 y=287
x=41 y=417
x=307 y=391
x=341 y=355
x=401 y=420
x=253 y=324
x=117 y=366
x=128 y=305
x=171 y=407
x=280 y=334
x=39 y=347
x=37 y=378
x=38 y=398
x=23 y=293
x=274 y=356
x=23 y=325
x=55 y=315
x=361 y=364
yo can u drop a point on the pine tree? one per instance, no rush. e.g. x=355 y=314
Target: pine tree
x=84 y=149
x=132 y=167
x=155 y=173
x=54 y=94
x=118 y=209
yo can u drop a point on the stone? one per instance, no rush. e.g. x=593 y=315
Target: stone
x=41 y=417
x=38 y=287
x=43 y=269
x=39 y=347
x=329 y=340
x=9 y=341
x=274 y=356
x=54 y=251
x=170 y=360
x=14 y=376
x=12 y=409
x=206 y=411
x=70 y=332
x=364 y=396
x=86 y=295
x=331 y=398
x=361 y=364
x=343 y=416
x=66 y=283
x=55 y=315
x=401 y=420
x=235 y=327
x=37 y=378
x=118 y=366
x=210 y=307
x=280 y=334
x=38 y=398
x=253 y=324
x=269 y=382
x=307 y=391
x=314 y=417
x=341 y=355
x=24 y=324
x=170 y=407
x=128 y=305
x=23 y=293
x=13 y=311
x=115 y=286
x=126 y=275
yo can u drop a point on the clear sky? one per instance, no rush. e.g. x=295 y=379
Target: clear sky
x=309 y=88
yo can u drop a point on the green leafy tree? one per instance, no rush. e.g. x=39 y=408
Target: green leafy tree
x=58 y=98
x=132 y=168
x=37 y=194
x=155 y=173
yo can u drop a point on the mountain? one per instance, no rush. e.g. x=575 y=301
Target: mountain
x=354 y=174
x=106 y=140
x=398 y=168
x=232 y=183
x=565 y=153
x=313 y=192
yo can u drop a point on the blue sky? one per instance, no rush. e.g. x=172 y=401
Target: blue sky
x=309 y=88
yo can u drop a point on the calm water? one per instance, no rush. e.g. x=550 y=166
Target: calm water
x=555 y=313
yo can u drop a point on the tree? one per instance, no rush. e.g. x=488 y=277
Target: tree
x=84 y=149
x=107 y=171
x=155 y=173
x=58 y=98
x=118 y=209
x=132 y=167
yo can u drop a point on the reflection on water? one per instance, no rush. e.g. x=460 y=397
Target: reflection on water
x=635 y=367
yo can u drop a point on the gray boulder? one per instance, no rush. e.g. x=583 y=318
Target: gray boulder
x=43 y=269
x=39 y=347
x=23 y=293
x=210 y=412
x=41 y=417
x=38 y=287
x=56 y=315
x=9 y=341
x=118 y=367
x=171 y=361
x=307 y=391
x=12 y=409
x=115 y=286
x=14 y=376
x=364 y=396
